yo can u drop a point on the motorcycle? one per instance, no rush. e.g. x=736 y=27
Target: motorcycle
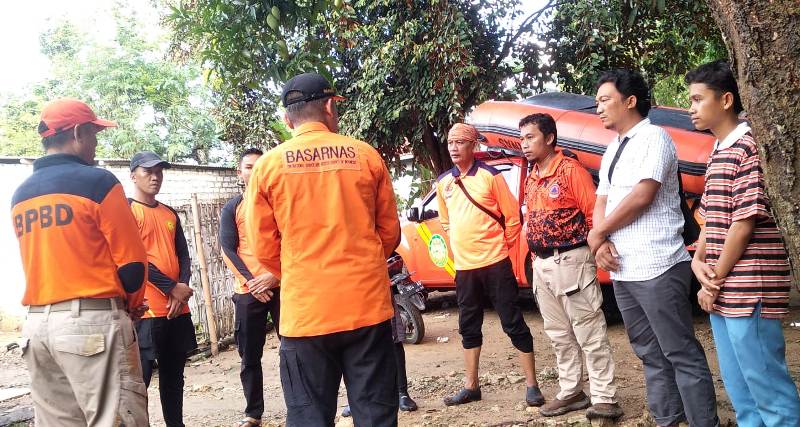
x=410 y=298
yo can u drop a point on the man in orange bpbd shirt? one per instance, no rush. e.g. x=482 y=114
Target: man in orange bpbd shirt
x=84 y=271
x=166 y=332
x=256 y=295
x=321 y=216
x=482 y=218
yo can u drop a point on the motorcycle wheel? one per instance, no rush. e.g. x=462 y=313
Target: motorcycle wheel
x=412 y=319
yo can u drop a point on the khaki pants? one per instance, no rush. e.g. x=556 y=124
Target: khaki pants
x=84 y=367
x=569 y=300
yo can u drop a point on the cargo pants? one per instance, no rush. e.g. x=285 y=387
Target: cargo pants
x=84 y=367
x=569 y=300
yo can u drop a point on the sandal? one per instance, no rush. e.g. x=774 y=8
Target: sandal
x=463 y=396
x=249 y=422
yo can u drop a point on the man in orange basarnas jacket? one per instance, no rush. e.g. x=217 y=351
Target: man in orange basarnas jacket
x=321 y=215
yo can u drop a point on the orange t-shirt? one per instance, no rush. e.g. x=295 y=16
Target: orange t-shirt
x=476 y=238
x=76 y=235
x=320 y=214
x=167 y=254
x=235 y=251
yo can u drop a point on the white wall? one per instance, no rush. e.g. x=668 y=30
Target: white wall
x=179 y=183
x=13 y=284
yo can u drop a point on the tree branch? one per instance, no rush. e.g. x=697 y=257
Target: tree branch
x=526 y=26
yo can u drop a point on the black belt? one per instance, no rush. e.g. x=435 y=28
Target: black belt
x=85 y=304
x=544 y=253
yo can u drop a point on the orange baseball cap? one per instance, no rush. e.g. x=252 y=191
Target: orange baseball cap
x=66 y=113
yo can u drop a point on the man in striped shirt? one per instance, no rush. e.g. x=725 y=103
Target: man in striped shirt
x=741 y=261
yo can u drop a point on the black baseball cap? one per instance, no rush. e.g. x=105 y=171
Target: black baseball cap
x=148 y=159
x=307 y=87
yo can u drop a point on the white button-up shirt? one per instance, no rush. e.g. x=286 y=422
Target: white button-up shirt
x=651 y=244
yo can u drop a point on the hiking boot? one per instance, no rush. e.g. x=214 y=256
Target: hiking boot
x=533 y=396
x=464 y=395
x=604 y=410
x=561 y=407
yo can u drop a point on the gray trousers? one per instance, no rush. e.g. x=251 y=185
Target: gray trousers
x=658 y=319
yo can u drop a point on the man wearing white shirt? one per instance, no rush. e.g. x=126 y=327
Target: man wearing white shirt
x=637 y=237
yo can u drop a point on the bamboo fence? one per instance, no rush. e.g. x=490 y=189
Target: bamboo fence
x=220 y=280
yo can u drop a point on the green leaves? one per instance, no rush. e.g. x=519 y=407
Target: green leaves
x=632 y=17
x=19 y=118
x=408 y=68
x=662 y=39
x=159 y=105
x=251 y=47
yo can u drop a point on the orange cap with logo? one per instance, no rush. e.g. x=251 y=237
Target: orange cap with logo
x=66 y=113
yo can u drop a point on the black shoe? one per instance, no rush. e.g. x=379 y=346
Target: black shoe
x=346 y=411
x=533 y=396
x=463 y=396
x=407 y=403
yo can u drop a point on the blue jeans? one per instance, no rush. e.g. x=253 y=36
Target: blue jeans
x=752 y=361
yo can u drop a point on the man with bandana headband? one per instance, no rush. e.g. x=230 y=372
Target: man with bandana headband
x=482 y=218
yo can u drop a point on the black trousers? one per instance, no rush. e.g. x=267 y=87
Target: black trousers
x=312 y=367
x=250 y=323
x=498 y=282
x=169 y=342
x=400 y=360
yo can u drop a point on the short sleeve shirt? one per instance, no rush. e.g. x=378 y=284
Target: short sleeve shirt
x=560 y=203
x=652 y=243
x=734 y=191
x=476 y=239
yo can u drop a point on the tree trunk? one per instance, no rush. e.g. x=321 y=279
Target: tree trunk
x=763 y=38
x=440 y=158
x=200 y=155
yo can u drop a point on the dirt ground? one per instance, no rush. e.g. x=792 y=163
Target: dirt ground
x=214 y=394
